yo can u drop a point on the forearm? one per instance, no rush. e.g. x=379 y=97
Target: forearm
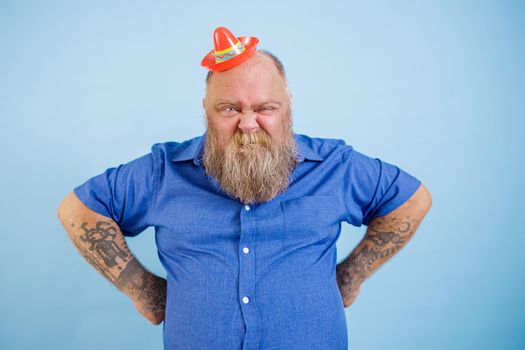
x=111 y=256
x=383 y=239
x=100 y=241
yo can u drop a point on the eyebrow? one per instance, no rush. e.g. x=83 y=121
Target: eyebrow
x=235 y=103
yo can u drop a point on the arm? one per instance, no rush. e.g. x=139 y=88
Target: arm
x=384 y=237
x=99 y=240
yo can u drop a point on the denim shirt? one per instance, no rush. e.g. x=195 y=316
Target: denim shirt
x=249 y=276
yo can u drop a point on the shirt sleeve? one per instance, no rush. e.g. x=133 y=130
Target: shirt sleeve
x=124 y=193
x=373 y=187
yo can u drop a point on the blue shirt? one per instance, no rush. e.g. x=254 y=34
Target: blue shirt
x=249 y=277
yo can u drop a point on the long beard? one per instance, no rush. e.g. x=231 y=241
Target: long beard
x=251 y=167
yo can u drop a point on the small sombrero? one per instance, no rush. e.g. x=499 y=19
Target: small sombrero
x=229 y=51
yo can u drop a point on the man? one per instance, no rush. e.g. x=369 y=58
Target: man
x=246 y=219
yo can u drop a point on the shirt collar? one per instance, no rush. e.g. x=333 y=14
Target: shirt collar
x=194 y=149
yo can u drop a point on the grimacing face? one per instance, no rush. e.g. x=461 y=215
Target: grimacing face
x=249 y=97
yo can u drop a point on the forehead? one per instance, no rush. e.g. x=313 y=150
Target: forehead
x=257 y=78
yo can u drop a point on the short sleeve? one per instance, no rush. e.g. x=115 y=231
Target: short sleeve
x=124 y=193
x=373 y=187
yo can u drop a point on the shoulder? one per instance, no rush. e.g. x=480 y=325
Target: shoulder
x=323 y=147
x=173 y=150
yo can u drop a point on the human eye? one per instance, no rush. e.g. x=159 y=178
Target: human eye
x=267 y=109
x=228 y=109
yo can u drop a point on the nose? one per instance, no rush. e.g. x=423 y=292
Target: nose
x=248 y=122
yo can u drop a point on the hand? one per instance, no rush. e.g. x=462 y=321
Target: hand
x=150 y=299
x=349 y=294
x=349 y=285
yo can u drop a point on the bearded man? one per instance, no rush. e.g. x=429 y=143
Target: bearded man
x=246 y=218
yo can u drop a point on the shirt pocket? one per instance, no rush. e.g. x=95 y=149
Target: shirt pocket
x=309 y=221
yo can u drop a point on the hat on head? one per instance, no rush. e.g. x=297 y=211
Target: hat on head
x=229 y=51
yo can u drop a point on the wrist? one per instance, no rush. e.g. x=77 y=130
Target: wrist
x=131 y=279
x=350 y=274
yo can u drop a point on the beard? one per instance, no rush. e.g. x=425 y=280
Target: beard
x=251 y=167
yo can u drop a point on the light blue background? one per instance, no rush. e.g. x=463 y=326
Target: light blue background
x=435 y=87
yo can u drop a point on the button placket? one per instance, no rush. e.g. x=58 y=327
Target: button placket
x=247 y=276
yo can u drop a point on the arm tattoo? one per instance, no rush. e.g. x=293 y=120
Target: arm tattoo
x=101 y=240
x=143 y=286
x=384 y=238
x=104 y=247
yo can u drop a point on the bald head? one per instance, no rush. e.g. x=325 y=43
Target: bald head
x=276 y=61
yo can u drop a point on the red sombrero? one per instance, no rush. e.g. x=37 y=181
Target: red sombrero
x=229 y=51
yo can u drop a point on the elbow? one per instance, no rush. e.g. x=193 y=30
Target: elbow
x=65 y=207
x=425 y=198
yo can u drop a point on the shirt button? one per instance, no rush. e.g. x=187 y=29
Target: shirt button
x=245 y=250
x=246 y=207
x=245 y=300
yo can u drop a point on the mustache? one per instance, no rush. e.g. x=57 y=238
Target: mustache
x=259 y=138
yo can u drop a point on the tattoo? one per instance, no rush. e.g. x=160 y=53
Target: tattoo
x=384 y=238
x=143 y=285
x=101 y=239
x=104 y=247
x=95 y=263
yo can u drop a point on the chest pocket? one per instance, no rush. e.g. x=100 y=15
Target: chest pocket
x=310 y=221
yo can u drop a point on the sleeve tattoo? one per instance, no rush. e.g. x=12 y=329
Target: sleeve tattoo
x=104 y=247
x=385 y=236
